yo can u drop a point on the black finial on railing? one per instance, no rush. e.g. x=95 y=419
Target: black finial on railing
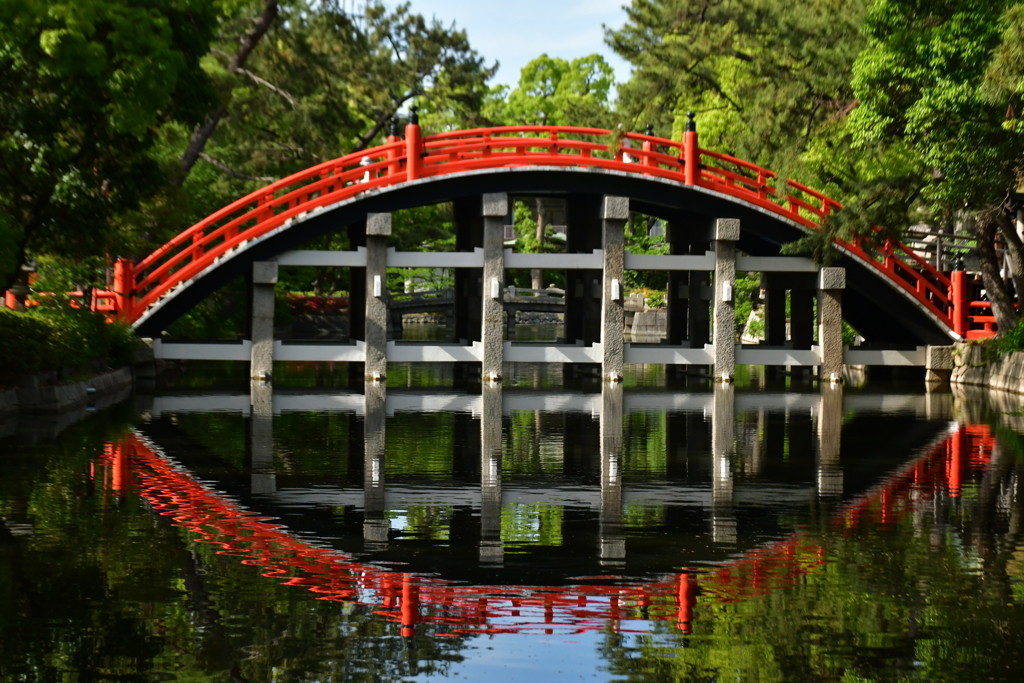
x=959 y=265
x=691 y=125
x=414 y=115
x=396 y=130
x=649 y=130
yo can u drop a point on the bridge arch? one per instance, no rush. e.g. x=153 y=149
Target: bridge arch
x=875 y=303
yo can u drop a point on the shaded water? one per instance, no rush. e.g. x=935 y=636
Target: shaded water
x=668 y=530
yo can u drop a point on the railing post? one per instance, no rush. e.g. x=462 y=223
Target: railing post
x=958 y=302
x=691 y=153
x=124 y=287
x=393 y=156
x=413 y=146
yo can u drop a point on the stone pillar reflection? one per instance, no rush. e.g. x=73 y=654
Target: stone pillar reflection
x=612 y=536
x=830 y=427
x=491 y=550
x=723 y=446
x=375 y=524
x=263 y=480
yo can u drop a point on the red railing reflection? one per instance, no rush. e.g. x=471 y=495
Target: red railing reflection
x=459 y=609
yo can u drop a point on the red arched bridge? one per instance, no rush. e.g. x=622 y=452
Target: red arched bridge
x=891 y=294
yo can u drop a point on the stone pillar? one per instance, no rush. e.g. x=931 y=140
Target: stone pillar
x=831 y=283
x=938 y=365
x=727 y=233
x=378 y=229
x=723 y=517
x=264 y=277
x=612 y=538
x=614 y=214
x=830 y=427
x=491 y=549
x=375 y=524
x=263 y=480
x=495 y=208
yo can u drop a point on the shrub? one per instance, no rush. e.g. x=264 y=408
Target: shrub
x=53 y=338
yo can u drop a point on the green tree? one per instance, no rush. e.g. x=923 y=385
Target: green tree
x=943 y=79
x=86 y=84
x=762 y=75
x=556 y=92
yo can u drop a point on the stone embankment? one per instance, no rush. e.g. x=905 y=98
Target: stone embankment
x=38 y=393
x=971 y=367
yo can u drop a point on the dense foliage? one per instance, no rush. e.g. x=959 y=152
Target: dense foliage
x=58 y=340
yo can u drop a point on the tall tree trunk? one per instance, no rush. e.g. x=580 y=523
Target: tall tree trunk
x=536 y=274
x=1015 y=247
x=202 y=133
x=1002 y=307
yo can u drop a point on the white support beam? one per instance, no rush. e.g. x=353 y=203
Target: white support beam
x=769 y=356
x=434 y=353
x=592 y=261
x=241 y=350
x=429 y=259
x=856 y=356
x=352 y=353
x=670 y=355
x=775 y=264
x=338 y=259
x=551 y=353
x=704 y=261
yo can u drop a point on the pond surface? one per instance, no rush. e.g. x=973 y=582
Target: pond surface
x=550 y=528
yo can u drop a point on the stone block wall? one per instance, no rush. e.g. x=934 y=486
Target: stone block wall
x=970 y=367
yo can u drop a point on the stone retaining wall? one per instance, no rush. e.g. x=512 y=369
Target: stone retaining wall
x=969 y=367
x=55 y=398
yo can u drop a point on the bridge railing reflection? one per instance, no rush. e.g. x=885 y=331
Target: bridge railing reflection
x=137 y=466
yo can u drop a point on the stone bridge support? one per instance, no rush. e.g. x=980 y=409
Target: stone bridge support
x=495 y=208
x=378 y=230
x=831 y=283
x=614 y=214
x=264 y=277
x=727 y=233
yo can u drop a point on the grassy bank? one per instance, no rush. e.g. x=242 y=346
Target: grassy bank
x=60 y=339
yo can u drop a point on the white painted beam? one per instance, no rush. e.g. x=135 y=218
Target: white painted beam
x=774 y=356
x=856 y=356
x=594 y=261
x=434 y=353
x=240 y=350
x=340 y=259
x=353 y=353
x=551 y=353
x=670 y=355
x=776 y=264
x=435 y=259
x=705 y=261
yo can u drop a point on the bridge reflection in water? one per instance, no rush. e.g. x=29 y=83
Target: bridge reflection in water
x=729 y=475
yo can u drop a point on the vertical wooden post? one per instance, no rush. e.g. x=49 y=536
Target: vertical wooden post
x=958 y=302
x=413 y=146
x=691 y=153
x=124 y=287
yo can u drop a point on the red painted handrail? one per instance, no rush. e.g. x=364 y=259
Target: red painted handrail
x=268 y=208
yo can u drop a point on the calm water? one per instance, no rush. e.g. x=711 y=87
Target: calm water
x=547 y=529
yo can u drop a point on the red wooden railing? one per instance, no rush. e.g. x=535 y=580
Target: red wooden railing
x=134 y=464
x=139 y=286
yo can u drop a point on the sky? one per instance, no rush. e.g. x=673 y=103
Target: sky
x=515 y=31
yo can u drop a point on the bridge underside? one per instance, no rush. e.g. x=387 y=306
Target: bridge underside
x=875 y=306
